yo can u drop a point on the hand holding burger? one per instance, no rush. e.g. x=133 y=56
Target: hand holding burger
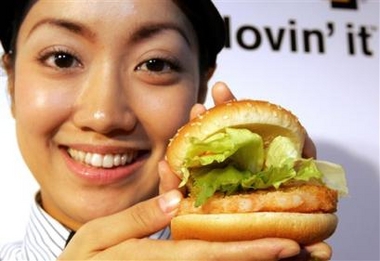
x=241 y=163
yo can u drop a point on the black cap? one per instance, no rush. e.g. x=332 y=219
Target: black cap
x=208 y=24
x=204 y=16
x=10 y=13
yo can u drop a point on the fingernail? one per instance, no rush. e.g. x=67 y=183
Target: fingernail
x=320 y=255
x=169 y=202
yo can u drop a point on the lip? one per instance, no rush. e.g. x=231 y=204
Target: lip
x=103 y=176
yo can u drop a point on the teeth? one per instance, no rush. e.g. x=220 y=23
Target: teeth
x=102 y=161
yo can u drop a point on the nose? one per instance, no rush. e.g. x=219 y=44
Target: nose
x=103 y=102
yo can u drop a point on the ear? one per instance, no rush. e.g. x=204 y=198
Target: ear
x=203 y=85
x=8 y=62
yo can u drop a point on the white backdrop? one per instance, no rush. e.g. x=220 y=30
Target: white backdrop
x=333 y=88
x=334 y=93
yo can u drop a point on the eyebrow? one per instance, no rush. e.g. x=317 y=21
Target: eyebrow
x=149 y=30
x=146 y=31
x=73 y=27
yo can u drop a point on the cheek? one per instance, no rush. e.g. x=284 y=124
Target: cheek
x=38 y=107
x=168 y=111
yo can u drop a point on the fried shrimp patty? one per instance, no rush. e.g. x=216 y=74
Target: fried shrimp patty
x=300 y=199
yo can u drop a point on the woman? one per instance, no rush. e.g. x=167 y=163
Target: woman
x=97 y=89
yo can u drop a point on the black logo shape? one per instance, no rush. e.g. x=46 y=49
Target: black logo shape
x=345 y=4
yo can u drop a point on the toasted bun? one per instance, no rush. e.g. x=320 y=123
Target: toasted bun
x=304 y=228
x=266 y=119
x=269 y=121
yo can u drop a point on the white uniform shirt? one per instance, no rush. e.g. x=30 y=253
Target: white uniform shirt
x=45 y=238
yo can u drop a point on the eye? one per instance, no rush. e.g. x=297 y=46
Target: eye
x=60 y=59
x=158 y=65
x=64 y=60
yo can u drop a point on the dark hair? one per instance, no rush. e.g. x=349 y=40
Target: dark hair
x=209 y=26
x=205 y=18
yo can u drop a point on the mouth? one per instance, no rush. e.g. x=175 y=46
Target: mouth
x=107 y=161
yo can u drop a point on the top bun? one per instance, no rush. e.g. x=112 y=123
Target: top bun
x=261 y=117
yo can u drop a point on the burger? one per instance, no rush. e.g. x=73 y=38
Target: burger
x=246 y=179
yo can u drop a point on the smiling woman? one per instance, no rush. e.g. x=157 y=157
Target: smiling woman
x=93 y=85
x=79 y=70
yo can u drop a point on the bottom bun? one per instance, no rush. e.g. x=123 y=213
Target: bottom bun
x=301 y=227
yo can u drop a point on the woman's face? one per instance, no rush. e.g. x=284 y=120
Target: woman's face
x=99 y=88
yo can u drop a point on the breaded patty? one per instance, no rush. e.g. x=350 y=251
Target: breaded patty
x=301 y=199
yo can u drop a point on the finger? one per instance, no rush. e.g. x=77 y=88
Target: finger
x=221 y=93
x=319 y=251
x=263 y=249
x=140 y=220
x=196 y=110
x=168 y=180
x=309 y=149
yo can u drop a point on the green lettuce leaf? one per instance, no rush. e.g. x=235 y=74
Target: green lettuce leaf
x=235 y=160
x=226 y=180
x=241 y=144
x=281 y=151
x=245 y=148
x=333 y=176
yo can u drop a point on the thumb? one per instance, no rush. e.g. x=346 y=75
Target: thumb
x=140 y=220
x=309 y=149
x=168 y=180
